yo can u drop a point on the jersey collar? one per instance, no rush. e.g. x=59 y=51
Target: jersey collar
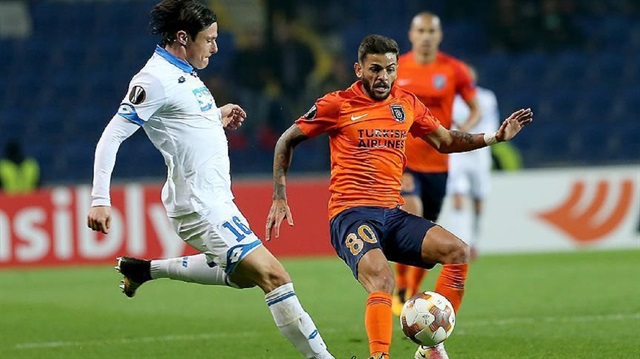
x=179 y=63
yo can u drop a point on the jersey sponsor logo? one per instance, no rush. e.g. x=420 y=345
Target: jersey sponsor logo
x=381 y=138
x=398 y=112
x=311 y=114
x=204 y=98
x=356 y=118
x=587 y=223
x=439 y=81
x=137 y=95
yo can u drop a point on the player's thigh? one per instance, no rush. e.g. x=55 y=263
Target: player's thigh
x=404 y=236
x=223 y=235
x=433 y=190
x=354 y=232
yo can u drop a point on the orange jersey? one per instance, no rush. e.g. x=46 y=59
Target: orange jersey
x=436 y=85
x=367 y=139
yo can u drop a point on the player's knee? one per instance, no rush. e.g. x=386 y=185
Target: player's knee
x=271 y=276
x=457 y=252
x=377 y=279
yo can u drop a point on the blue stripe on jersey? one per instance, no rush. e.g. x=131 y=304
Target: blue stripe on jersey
x=281 y=298
x=179 y=63
x=235 y=254
x=129 y=112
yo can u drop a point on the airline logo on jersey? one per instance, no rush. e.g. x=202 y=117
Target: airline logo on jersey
x=439 y=81
x=204 y=98
x=398 y=112
x=587 y=223
x=137 y=95
x=381 y=138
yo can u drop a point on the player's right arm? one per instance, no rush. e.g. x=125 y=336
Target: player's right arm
x=113 y=135
x=144 y=97
x=281 y=163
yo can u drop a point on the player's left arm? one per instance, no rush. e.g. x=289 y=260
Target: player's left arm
x=448 y=141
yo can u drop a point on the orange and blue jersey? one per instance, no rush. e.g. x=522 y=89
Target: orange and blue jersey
x=367 y=139
x=436 y=85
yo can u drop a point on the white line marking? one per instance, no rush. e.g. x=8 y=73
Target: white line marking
x=185 y=337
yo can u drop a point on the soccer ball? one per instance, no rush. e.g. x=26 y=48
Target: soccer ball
x=427 y=318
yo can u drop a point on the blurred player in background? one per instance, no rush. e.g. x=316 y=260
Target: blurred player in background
x=470 y=172
x=435 y=78
x=368 y=125
x=181 y=118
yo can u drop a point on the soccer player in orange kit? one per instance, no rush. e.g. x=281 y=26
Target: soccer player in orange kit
x=435 y=78
x=368 y=125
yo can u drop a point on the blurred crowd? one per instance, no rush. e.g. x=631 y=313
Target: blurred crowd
x=579 y=59
x=297 y=51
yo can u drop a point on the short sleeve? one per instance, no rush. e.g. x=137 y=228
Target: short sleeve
x=424 y=122
x=144 y=97
x=321 y=117
x=464 y=82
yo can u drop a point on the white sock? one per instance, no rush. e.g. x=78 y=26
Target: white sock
x=193 y=269
x=295 y=324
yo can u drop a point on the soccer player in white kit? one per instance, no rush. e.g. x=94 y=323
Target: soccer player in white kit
x=181 y=118
x=470 y=172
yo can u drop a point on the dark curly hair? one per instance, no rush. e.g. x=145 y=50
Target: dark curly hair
x=377 y=44
x=171 y=16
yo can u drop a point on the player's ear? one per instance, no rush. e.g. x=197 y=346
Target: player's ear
x=182 y=37
x=357 y=68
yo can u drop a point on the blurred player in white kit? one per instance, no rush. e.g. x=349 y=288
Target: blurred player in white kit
x=180 y=117
x=470 y=172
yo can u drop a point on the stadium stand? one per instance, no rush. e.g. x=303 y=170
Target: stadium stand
x=61 y=85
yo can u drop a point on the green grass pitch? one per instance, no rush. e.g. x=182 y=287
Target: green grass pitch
x=570 y=305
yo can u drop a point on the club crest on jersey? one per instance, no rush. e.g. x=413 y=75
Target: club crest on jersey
x=311 y=114
x=398 y=112
x=439 y=81
x=137 y=95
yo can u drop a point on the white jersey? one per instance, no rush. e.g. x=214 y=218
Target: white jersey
x=469 y=172
x=181 y=119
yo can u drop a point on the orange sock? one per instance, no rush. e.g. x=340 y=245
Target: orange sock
x=378 y=322
x=401 y=275
x=416 y=275
x=451 y=282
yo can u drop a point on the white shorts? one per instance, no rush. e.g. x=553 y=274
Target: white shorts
x=470 y=173
x=223 y=235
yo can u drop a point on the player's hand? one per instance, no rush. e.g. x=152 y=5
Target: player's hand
x=232 y=116
x=99 y=219
x=513 y=124
x=278 y=212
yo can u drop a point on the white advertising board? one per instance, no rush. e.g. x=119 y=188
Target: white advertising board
x=557 y=210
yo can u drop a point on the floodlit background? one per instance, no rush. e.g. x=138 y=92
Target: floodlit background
x=66 y=65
